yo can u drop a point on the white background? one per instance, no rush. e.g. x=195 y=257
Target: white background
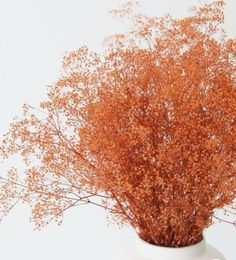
x=33 y=37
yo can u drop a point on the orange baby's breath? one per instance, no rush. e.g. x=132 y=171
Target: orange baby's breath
x=146 y=131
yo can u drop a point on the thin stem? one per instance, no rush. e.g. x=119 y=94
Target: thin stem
x=223 y=220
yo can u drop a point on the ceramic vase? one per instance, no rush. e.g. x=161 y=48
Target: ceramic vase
x=142 y=250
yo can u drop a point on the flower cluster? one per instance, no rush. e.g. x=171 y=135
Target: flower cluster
x=146 y=131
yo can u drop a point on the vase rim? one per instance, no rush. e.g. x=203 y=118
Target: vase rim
x=185 y=252
x=140 y=240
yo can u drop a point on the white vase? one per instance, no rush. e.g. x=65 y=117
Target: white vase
x=142 y=250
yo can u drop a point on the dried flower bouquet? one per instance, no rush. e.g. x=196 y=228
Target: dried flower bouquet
x=146 y=131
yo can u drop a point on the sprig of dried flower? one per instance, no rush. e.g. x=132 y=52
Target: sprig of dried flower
x=146 y=131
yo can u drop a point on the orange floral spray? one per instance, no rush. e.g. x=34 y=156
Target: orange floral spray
x=146 y=131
